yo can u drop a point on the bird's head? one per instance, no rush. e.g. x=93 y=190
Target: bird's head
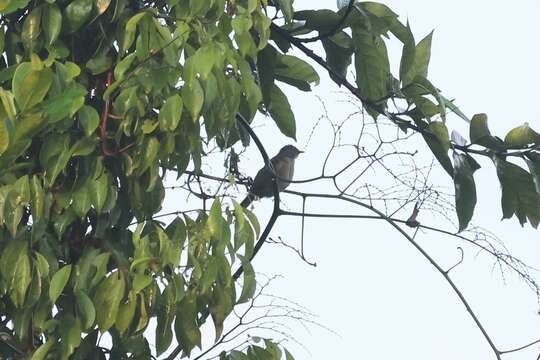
x=290 y=151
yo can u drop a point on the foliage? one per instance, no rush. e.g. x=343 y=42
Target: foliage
x=101 y=98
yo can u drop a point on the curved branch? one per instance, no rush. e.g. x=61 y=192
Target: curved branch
x=276 y=211
x=448 y=279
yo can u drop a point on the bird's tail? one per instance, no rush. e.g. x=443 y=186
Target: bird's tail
x=248 y=200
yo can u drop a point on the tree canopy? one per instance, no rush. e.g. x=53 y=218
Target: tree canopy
x=100 y=99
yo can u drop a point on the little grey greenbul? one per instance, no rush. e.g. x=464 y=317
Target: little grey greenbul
x=283 y=164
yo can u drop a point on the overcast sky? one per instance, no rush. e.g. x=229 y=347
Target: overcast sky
x=378 y=295
x=370 y=286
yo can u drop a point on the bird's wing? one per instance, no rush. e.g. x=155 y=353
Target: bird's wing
x=262 y=184
x=285 y=170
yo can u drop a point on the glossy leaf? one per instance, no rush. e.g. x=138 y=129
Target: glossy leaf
x=52 y=22
x=86 y=309
x=372 y=65
x=522 y=136
x=296 y=72
x=89 y=119
x=438 y=139
x=286 y=8
x=99 y=188
x=465 y=188
x=187 y=331
x=480 y=134
x=171 y=113
x=42 y=350
x=249 y=286
x=321 y=20
x=339 y=49
x=15 y=269
x=31 y=29
x=58 y=282
x=519 y=195
x=533 y=161
x=419 y=67
x=164 y=334
x=107 y=300
x=77 y=13
x=281 y=112
x=193 y=96
x=30 y=86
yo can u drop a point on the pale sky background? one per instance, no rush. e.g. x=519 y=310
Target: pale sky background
x=370 y=286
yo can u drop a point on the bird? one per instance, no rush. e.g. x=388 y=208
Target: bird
x=283 y=164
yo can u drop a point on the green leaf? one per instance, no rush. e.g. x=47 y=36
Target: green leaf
x=449 y=104
x=521 y=137
x=53 y=146
x=465 y=188
x=250 y=285
x=8 y=103
x=86 y=309
x=288 y=355
x=58 y=282
x=15 y=268
x=339 y=49
x=131 y=27
x=52 y=22
x=439 y=142
x=121 y=68
x=296 y=72
x=6 y=131
x=77 y=12
x=107 y=300
x=42 y=264
x=64 y=104
x=30 y=86
x=89 y=119
x=281 y=112
x=221 y=305
x=202 y=62
x=141 y=281
x=31 y=28
x=88 y=348
x=533 y=161
x=70 y=334
x=480 y=134
x=420 y=65
x=2 y=40
x=405 y=35
x=424 y=86
x=99 y=64
x=171 y=113
x=321 y=20
x=287 y=9
x=99 y=189
x=193 y=95
x=166 y=312
x=42 y=350
x=372 y=65
x=266 y=62
x=84 y=146
x=519 y=195
x=37 y=198
x=82 y=200
x=126 y=313
x=186 y=327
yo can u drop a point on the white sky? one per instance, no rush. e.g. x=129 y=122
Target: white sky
x=370 y=286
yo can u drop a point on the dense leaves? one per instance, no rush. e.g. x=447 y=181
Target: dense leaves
x=100 y=99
